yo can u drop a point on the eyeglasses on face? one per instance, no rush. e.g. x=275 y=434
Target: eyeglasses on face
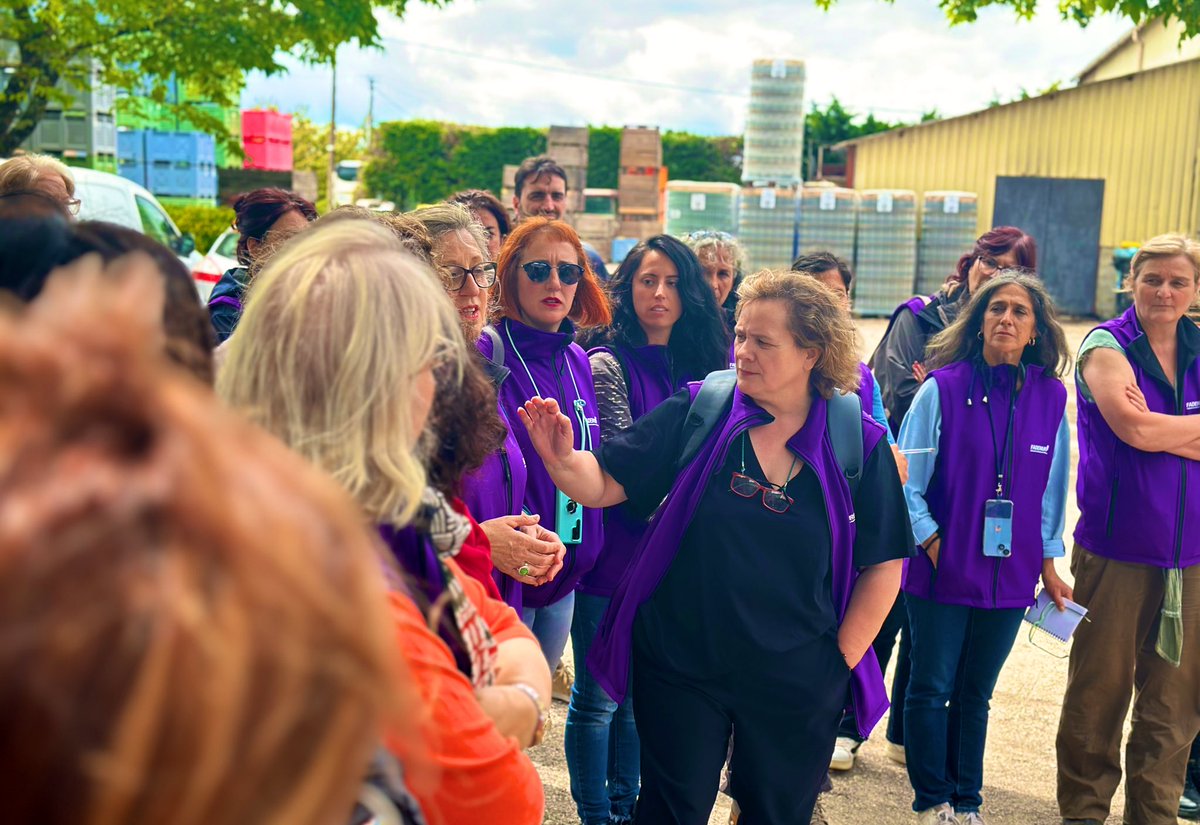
x=773 y=498
x=988 y=265
x=72 y=205
x=483 y=274
x=539 y=272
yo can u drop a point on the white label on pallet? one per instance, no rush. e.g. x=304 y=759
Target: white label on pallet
x=884 y=202
x=674 y=214
x=950 y=206
x=778 y=69
x=828 y=201
x=767 y=199
x=698 y=201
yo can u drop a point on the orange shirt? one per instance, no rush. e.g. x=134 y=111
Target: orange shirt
x=485 y=778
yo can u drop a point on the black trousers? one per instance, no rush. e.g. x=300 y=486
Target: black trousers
x=896 y=622
x=786 y=709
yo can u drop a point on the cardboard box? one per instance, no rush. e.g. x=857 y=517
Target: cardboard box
x=566 y=154
x=639 y=228
x=629 y=184
x=576 y=178
x=568 y=136
x=641 y=147
x=594 y=224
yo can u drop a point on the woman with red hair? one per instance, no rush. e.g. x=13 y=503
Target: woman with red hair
x=548 y=292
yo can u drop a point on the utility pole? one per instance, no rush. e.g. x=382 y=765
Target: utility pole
x=370 y=111
x=332 y=175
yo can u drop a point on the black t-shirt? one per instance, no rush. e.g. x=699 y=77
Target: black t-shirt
x=746 y=581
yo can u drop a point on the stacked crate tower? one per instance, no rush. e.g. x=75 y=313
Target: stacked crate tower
x=947 y=233
x=774 y=147
x=695 y=206
x=828 y=219
x=886 y=251
x=267 y=140
x=84 y=132
x=169 y=164
x=640 y=183
x=568 y=146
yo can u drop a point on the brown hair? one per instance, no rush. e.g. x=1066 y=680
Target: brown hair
x=590 y=308
x=534 y=168
x=816 y=319
x=193 y=624
x=481 y=200
x=256 y=212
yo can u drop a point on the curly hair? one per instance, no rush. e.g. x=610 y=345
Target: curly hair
x=699 y=343
x=709 y=244
x=816 y=319
x=961 y=341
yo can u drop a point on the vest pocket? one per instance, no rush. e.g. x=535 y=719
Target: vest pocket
x=1112 y=504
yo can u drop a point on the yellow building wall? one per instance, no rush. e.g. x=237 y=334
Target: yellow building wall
x=1140 y=134
x=1155 y=45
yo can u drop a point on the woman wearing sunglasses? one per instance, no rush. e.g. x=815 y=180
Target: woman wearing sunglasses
x=762 y=579
x=987 y=490
x=547 y=291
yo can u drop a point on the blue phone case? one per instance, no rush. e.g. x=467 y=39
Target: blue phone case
x=997 y=528
x=568 y=518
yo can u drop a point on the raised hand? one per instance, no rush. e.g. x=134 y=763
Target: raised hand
x=549 y=430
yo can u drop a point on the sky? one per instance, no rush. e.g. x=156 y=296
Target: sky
x=682 y=64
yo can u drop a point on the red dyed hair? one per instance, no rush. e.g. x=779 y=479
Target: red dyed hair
x=994 y=243
x=590 y=308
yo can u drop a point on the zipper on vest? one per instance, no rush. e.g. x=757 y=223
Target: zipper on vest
x=996 y=583
x=508 y=480
x=1112 y=504
x=1182 y=503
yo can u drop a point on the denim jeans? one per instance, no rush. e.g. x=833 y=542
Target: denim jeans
x=957 y=655
x=601 y=740
x=551 y=625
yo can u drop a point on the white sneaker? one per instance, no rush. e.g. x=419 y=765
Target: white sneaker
x=972 y=818
x=843 y=754
x=940 y=815
x=896 y=753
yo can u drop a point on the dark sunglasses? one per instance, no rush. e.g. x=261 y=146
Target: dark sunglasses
x=484 y=275
x=539 y=272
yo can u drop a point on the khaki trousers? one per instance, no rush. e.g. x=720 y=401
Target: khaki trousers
x=1113 y=658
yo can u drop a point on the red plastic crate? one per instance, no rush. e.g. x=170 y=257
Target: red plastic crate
x=259 y=125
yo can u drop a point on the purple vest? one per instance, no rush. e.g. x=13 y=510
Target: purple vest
x=497 y=488
x=648 y=378
x=866 y=388
x=964 y=477
x=1138 y=507
x=559 y=368
x=612 y=648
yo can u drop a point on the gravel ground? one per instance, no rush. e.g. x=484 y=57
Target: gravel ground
x=1019 y=767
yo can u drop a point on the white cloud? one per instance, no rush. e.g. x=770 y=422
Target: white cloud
x=510 y=62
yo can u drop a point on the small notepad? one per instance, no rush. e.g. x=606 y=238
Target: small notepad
x=1044 y=615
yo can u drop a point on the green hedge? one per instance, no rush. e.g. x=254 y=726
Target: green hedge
x=422 y=161
x=204 y=223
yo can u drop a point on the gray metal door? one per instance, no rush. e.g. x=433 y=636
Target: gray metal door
x=1063 y=216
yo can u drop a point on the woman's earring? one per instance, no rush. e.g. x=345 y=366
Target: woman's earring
x=979 y=335
x=1032 y=342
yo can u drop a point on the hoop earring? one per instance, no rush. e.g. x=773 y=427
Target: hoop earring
x=1032 y=342
x=979 y=335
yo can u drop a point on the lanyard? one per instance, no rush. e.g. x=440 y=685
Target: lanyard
x=1002 y=453
x=579 y=407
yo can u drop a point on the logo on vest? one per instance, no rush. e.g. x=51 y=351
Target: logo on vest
x=1040 y=449
x=1192 y=405
x=852 y=518
x=592 y=422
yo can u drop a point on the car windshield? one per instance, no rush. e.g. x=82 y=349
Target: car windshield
x=227 y=245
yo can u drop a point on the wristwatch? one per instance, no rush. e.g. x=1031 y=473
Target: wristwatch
x=539 y=732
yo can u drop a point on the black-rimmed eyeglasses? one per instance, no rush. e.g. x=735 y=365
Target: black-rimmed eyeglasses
x=483 y=274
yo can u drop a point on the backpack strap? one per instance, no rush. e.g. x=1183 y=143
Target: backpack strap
x=497 y=356
x=225 y=300
x=843 y=421
x=714 y=398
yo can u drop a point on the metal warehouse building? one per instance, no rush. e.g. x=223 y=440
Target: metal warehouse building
x=1112 y=160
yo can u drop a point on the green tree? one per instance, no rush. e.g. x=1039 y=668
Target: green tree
x=604 y=156
x=310 y=149
x=1081 y=11
x=695 y=157
x=833 y=124
x=207 y=45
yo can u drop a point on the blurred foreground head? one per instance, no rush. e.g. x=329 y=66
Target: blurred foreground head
x=192 y=621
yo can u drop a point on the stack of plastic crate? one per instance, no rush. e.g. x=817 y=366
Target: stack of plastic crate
x=886 y=250
x=181 y=164
x=828 y=220
x=267 y=140
x=948 y=229
x=699 y=205
x=774 y=142
x=767 y=226
x=131 y=156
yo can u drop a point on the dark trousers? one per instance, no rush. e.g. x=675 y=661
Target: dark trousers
x=786 y=709
x=896 y=622
x=957 y=656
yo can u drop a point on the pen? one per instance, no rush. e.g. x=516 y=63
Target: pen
x=917 y=450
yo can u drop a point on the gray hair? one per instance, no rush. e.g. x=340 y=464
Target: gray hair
x=442 y=219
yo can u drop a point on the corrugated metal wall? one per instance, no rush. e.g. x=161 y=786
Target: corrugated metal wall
x=1141 y=134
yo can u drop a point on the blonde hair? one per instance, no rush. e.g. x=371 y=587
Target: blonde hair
x=816 y=319
x=193 y=623
x=22 y=172
x=336 y=328
x=1164 y=246
x=443 y=218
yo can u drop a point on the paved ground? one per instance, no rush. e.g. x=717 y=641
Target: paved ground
x=1019 y=766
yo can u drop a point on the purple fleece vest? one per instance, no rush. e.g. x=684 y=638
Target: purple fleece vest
x=552 y=359
x=1138 y=507
x=612 y=648
x=866 y=388
x=648 y=378
x=964 y=477
x=497 y=488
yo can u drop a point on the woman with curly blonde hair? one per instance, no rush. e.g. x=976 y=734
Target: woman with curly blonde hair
x=765 y=575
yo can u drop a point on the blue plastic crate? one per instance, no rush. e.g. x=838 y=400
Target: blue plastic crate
x=132 y=170
x=132 y=146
